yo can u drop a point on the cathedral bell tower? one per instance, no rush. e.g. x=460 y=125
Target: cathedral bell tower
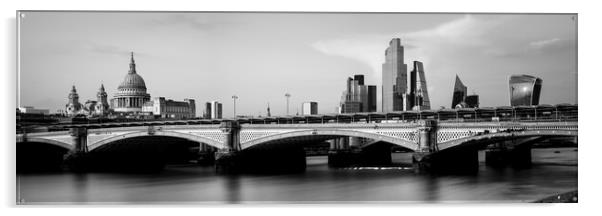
x=102 y=106
x=73 y=107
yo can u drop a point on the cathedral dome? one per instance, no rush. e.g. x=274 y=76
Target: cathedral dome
x=132 y=81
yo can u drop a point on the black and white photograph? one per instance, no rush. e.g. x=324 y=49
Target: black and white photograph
x=295 y=107
x=255 y=107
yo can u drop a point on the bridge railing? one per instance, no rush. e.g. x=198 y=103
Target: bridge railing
x=524 y=113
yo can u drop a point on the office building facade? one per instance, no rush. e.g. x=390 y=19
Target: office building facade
x=525 y=90
x=358 y=97
x=459 y=94
x=167 y=108
x=417 y=97
x=213 y=110
x=394 y=77
x=309 y=108
x=401 y=92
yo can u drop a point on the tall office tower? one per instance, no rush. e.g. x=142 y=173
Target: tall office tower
x=309 y=108
x=358 y=97
x=371 y=98
x=524 y=90
x=207 y=113
x=417 y=98
x=213 y=110
x=460 y=91
x=359 y=78
x=394 y=75
x=217 y=110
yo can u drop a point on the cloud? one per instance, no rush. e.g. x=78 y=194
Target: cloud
x=187 y=20
x=424 y=45
x=544 y=43
x=106 y=49
x=550 y=45
x=538 y=47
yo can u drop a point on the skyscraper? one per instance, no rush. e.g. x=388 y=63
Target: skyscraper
x=394 y=77
x=524 y=90
x=460 y=91
x=418 y=97
x=213 y=110
x=207 y=112
x=371 y=98
x=358 y=97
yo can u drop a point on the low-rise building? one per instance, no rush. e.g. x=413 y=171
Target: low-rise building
x=167 y=108
x=309 y=108
x=32 y=110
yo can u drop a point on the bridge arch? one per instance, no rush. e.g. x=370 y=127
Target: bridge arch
x=328 y=133
x=191 y=137
x=63 y=145
x=495 y=137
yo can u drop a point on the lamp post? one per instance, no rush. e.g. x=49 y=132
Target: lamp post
x=287 y=95
x=234 y=97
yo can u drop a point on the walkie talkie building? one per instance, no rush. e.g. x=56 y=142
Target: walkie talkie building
x=524 y=90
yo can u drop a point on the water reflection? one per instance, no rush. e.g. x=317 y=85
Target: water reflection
x=319 y=183
x=232 y=188
x=80 y=186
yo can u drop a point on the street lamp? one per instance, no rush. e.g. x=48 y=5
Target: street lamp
x=287 y=95
x=234 y=97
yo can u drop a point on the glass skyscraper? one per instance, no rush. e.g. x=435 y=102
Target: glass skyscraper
x=460 y=92
x=524 y=90
x=358 y=97
x=395 y=76
x=418 y=97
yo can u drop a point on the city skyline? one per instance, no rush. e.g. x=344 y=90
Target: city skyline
x=308 y=63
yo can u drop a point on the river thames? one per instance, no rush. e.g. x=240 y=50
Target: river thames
x=554 y=171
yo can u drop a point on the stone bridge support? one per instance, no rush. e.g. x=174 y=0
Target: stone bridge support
x=206 y=155
x=262 y=159
x=76 y=159
x=346 y=151
x=428 y=158
x=341 y=154
x=227 y=160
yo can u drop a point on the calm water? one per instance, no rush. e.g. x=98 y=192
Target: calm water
x=554 y=171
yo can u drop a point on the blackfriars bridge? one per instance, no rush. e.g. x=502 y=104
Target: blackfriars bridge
x=438 y=144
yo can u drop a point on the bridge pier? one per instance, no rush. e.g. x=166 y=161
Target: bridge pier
x=517 y=156
x=77 y=159
x=451 y=161
x=349 y=154
x=227 y=160
x=428 y=158
x=340 y=154
x=272 y=159
x=206 y=155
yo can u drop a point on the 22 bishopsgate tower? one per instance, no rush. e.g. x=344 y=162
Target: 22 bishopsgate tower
x=395 y=93
x=395 y=77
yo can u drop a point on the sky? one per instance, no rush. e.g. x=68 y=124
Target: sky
x=262 y=56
